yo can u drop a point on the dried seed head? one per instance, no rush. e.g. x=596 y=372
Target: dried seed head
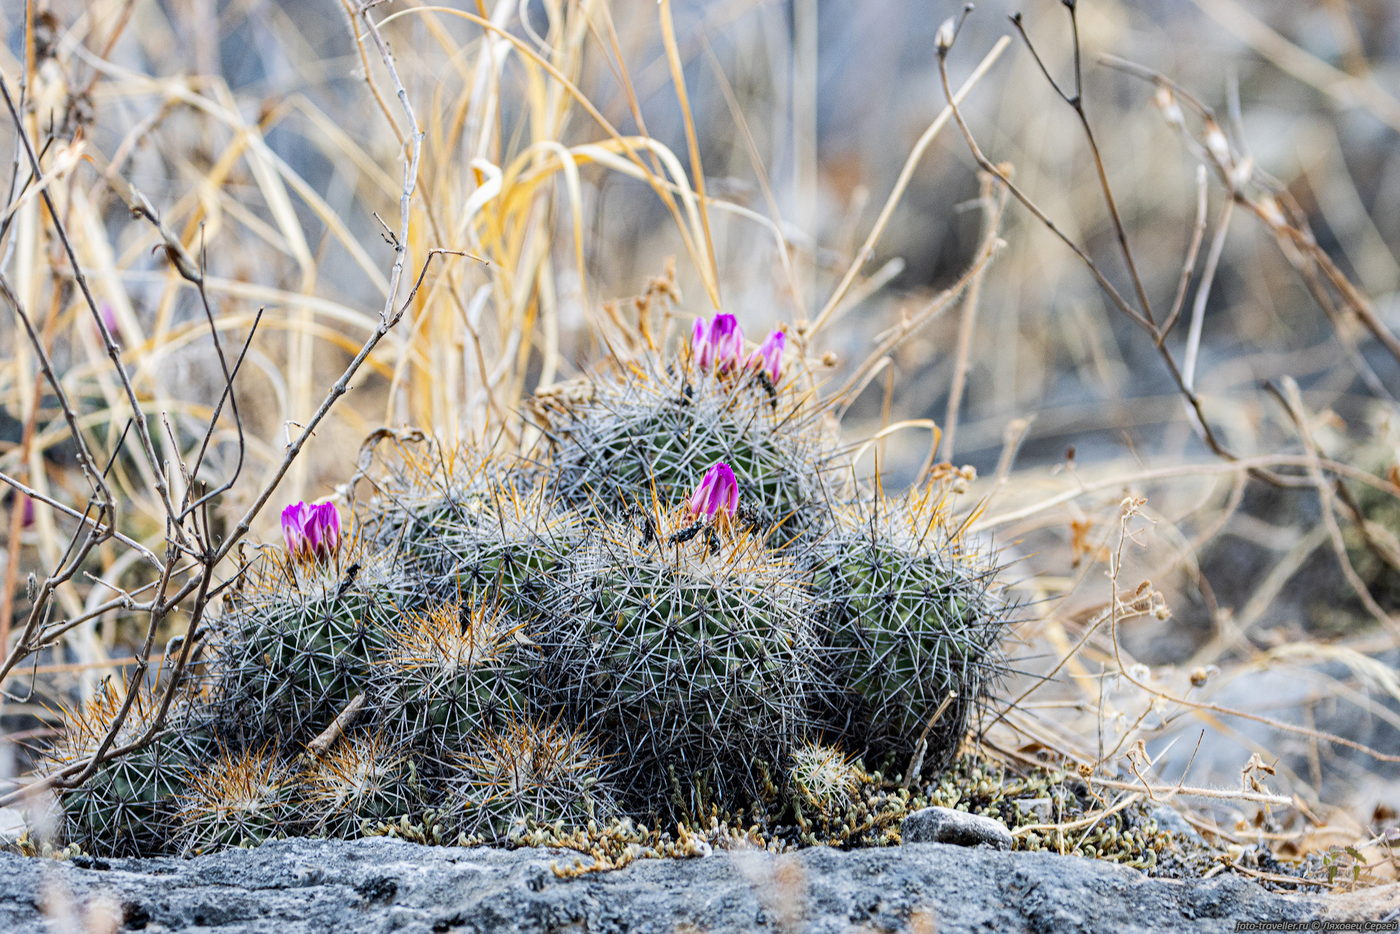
x=1217 y=145
x=1171 y=110
x=947 y=32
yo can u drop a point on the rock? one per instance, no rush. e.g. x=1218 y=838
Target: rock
x=1042 y=809
x=946 y=825
x=380 y=885
x=1169 y=819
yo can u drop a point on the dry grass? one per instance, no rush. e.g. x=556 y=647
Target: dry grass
x=1152 y=415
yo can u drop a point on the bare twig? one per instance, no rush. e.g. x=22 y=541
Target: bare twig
x=188 y=528
x=867 y=248
x=1076 y=102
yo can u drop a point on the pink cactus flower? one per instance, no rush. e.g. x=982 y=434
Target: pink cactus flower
x=717 y=493
x=718 y=343
x=311 y=532
x=769 y=355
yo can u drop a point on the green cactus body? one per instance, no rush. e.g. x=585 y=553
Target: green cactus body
x=480 y=527
x=908 y=627
x=300 y=643
x=238 y=799
x=364 y=777
x=512 y=552
x=655 y=431
x=126 y=807
x=686 y=658
x=449 y=673
x=528 y=772
x=428 y=492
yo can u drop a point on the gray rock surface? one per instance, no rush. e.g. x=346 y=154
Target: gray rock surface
x=945 y=825
x=304 y=886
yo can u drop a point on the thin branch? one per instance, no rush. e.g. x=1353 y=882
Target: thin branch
x=109 y=343
x=1188 y=265
x=867 y=249
x=1197 y=409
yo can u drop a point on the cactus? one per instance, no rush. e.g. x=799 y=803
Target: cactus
x=907 y=634
x=648 y=431
x=824 y=778
x=300 y=641
x=527 y=771
x=824 y=789
x=365 y=777
x=482 y=526
x=238 y=799
x=451 y=672
x=127 y=806
x=687 y=655
x=651 y=614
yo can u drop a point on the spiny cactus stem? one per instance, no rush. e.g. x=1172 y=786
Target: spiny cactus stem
x=327 y=737
x=921 y=747
x=108 y=749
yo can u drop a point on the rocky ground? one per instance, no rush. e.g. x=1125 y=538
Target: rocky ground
x=379 y=884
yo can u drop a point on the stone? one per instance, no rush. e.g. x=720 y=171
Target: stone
x=946 y=825
x=1169 y=819
x=1042 y=809
x=380 y=885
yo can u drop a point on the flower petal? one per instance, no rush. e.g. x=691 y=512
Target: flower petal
x=716 y=492
x=770 y=355
x=323 y=530
x=728 y=487
x=727 y=338
x=701 y=348
x=294 y=519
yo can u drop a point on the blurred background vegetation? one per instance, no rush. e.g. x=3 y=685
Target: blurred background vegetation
x=1202 y=621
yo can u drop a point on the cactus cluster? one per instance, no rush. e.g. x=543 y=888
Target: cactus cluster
x=677 y=600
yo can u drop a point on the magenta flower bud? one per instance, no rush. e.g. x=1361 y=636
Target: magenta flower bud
x=718 y=343
x=26 y=518
x=323 y=531
x=294 y=529
x=700 y=346
x=311 y=532
x=769 y=355
x=728 y=340
x=718 y=492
